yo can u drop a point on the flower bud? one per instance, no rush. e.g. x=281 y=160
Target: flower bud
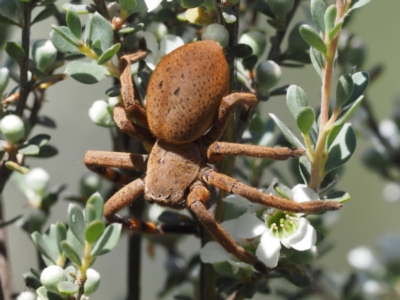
x=268 y=74
x=101 y=113
x=89 y=185
x=12 y=128
x=51 y=277
x=92 y=281
x=113 y=9
x=158 y=29
x=37 y=180
x=256 y=40
x=44 y=54
x=27 y=295
x=218 y=33
x=281 y=7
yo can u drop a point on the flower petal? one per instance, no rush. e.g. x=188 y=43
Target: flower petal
x=302 y=193
x=237 y=200
x=268 y=250
x=212 y=252
x=249 y=226
x=152 y=4
x=169 y=43
x=303 y=238
x=230 y=227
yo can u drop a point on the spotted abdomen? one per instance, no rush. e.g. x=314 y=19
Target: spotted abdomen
x=185 y=91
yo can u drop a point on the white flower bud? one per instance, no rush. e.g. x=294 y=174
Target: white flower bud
x=361 y=258
x=256 y=40
x=218 y=33
x=158 y=29
x=51 y=277
x=268 y=74
x=92 y=281
x=44 y=54
x=101 y=113
x=37 y=180
x=12 y=128
x=27 y=295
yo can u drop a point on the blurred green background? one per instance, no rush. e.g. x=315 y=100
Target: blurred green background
x=363 y=219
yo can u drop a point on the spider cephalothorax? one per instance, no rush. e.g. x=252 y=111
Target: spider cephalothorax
x=186 y=112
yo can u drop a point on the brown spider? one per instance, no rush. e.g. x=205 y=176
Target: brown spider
x=187 y=109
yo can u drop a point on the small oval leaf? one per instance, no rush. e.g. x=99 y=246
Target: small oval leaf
x=330 y=17
x=287 y=133
x=108 y=240
x=94 y=230
x=311 y=36
x=76 y=222
x=305 y=119
x=108 y=54
x=318 y=8
x=344 y=90
x=86 y=72
x=74 y=23
x=296 y=98
x=71 y=253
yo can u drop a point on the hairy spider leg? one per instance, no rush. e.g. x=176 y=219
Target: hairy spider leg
x=217 y=150
x=102 y=162
x=234 y=186
x=196 y=199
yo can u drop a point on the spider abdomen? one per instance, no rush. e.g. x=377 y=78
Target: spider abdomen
x=185 y=91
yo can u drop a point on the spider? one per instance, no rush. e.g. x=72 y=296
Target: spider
x=187 y=110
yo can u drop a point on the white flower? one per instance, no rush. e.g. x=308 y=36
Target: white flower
x=288 y=229
x=153 y=4
x=361 y=258
x=168 y=44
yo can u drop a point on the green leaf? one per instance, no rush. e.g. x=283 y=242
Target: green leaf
x=39 y=140
x=108 y=240
x=283 y=190
x=128 y=5
x=30 y=150
x=61 y=234
x=344 y=90
x=7 y=21
x=108 y=54
x=305 y=119
x=248 y=290
x=90 y=213
x=63 y=40
x=295 y=274
x=94 y=230
x=318 y=8
x=330 y=17
x=113 y=91
x=361 y=81
x=102 y=31
x=67 y=288
x=224 y=284
x=98 y=203
x=132 y=29
x=71 y=253
x=296 y=98
x=348 y=112
x=47 y=12
x=51 y=240
x=74 y=23
x=342 y=143
x=191 y=3
x=76 y=244
x=81 y=9
x=42 y=246
x=311 y=36
x=44 y=294
x=338 y=196
x=317 y=60
x=16 y=167
x=15 y=51
x=358 y=3
x=86 y=72
x=305 y=169
x=47 y=151
x=335 y=30
x=76 y=222
x=292 y=139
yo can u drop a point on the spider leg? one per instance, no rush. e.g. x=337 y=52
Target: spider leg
x=196 y=199
x=126 y=196
x=132 y=107
x=226 y=109
x=233 y=186
x=101 y=163
x=218 y=149
x=132 y=129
